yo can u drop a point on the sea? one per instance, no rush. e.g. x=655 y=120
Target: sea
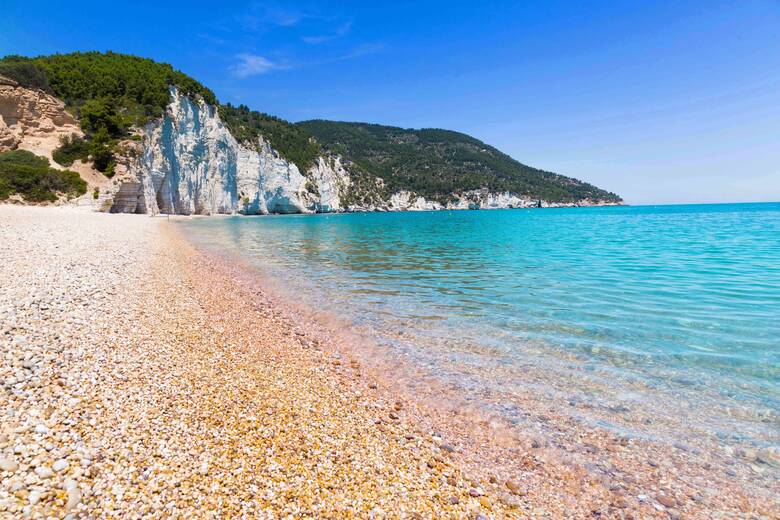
x=661 y=322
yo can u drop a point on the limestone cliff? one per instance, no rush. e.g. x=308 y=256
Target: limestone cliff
x=189 y=163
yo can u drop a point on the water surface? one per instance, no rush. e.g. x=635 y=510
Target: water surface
x=645 y=311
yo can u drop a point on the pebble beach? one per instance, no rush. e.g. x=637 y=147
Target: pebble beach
x=142 y=379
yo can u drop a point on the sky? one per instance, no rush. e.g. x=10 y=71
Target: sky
x=660 y=102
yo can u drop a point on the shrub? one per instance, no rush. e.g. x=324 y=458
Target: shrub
x=72 y=148
x=100 y=113
x=101 y=151
x=25 y=73
x=31 y=177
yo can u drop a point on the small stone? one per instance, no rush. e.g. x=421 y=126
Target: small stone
x=7 y=464
x=60 y=465
x=666 y=501
x=74 y=498
x=42 y=429
x=475 y=492
x=393 y=415
x=34 y=497
x=454 y=500
x=44 y=472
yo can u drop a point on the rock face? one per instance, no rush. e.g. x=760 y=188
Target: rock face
x=189 y=163
x=32 y=120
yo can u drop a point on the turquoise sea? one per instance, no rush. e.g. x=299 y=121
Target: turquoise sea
x=635 y=316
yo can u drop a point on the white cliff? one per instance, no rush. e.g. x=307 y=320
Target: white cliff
x=190 y=163
x=329 y=182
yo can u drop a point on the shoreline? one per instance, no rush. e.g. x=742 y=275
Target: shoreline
x=587 y=466
x=171 y=383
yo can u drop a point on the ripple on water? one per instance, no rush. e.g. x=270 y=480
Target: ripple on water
x=677 y=307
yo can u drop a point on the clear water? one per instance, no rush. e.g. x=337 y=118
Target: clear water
x=667 y=309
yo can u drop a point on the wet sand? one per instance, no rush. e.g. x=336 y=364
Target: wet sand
x=143 y=377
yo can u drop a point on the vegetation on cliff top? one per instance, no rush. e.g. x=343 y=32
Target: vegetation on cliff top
x=437 y=163
x=32 y=177
x=136 y=87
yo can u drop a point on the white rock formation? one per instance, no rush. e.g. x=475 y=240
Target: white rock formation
x=190 y=163
x=407 y=201
x=483 y=199
x=330 y=181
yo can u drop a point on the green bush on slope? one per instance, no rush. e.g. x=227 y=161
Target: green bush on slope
x=30 y=176
x=71 y=148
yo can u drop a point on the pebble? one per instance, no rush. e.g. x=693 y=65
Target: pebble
x=34 y=497
x=44 y=472
x=60 y=465
x=74 y=498
x=514 y=487
x=7 y=464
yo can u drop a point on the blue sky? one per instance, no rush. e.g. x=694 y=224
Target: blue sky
x=660 y=102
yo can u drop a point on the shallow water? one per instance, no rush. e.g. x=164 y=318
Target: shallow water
x=664 y=310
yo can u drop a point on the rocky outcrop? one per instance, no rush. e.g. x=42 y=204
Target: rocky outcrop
x=328 y=182
x=32 y=120
x=189 y=163
x=407 y=201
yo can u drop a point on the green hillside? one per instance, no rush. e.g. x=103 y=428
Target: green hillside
x=436 y=163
